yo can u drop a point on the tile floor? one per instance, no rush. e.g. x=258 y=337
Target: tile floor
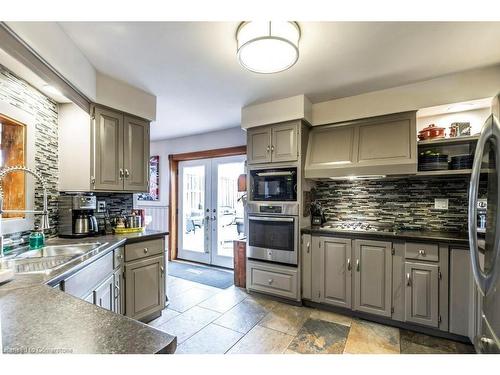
x=208 y=320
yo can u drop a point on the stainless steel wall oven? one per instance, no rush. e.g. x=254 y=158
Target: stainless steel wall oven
x=273 y=233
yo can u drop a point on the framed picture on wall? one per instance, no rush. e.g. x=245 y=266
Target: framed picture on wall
x=154 y=181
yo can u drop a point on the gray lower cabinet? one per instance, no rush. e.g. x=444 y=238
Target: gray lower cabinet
x=104 y=295
x=275 y=279
x=332 y=260
x=117 y=291
x=422 y=293
x=144 y=286
x=461 y=292
x=306 y=257
x=99 y=282
x=373 y=277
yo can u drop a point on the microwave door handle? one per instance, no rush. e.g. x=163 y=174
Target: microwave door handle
x=266 y=218
x=484 y=281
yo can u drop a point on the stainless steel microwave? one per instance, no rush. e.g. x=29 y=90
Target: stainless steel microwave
x=273 y=185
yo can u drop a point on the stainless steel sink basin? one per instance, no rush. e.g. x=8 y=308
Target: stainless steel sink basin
x=47 y=258
x=70 y=250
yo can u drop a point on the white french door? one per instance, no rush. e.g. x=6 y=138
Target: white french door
x=211 y=213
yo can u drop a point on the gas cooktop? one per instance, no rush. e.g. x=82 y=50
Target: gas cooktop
x=354 y=226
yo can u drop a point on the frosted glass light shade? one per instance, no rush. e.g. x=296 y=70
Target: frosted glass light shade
x=268 y=47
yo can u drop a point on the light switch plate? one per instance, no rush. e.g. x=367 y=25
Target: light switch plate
x=101 y=206
x=441 y=203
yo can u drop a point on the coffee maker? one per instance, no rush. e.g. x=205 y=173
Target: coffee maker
x=76 y=216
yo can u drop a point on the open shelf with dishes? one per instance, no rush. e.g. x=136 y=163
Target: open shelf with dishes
x=448 y=156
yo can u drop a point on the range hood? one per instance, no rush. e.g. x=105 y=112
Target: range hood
x=369 y=148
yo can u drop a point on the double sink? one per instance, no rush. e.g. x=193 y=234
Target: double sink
x=47 y=259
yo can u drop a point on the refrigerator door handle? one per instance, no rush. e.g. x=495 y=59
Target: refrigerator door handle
x=484 y=281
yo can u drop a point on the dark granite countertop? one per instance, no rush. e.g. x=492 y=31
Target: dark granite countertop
x=457 y=238
x=34 y=315
x=40 y=319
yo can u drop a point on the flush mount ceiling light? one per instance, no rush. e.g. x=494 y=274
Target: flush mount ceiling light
x=268 y=47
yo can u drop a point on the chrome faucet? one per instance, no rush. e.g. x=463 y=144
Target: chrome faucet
x=44 y=212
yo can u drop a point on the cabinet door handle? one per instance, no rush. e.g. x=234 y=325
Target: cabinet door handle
x=121 y=174
x=308 y=247
x=162 y=270
x=270 y=281
x=422 y=252
x=272 y=148
x=349 y=264
x=408 y=279
x=145 y=250
x=268 y=149
x=357 y=265
x=127 y=173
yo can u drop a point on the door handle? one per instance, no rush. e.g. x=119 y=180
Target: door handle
x=357 y=265
x=349 y=264
x=272 y=148
x=121 y=174
x=270 y=281
x=162 y=270
x=268 y=148
x=408 y=279
x=127 y=173
x=484 y=280
x=308 y=247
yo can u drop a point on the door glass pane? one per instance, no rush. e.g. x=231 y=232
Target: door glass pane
x=230 y=211
x=193 y=207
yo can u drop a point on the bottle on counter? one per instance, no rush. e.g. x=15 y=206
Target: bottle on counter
x=36 y=239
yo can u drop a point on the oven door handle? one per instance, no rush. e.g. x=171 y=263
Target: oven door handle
x=267 y=218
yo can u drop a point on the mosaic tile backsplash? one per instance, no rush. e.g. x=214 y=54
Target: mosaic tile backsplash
x=17 y=92
x=390 y=203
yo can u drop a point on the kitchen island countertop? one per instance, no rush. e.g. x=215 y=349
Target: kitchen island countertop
x=36 y=318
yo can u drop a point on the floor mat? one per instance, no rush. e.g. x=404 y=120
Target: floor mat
x=204 y=275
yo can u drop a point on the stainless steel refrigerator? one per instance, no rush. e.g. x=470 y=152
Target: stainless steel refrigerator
x=484 y=252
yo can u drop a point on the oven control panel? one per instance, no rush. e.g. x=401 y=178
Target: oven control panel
x=271 y=209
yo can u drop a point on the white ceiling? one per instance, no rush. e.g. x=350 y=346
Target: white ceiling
x=192 y=68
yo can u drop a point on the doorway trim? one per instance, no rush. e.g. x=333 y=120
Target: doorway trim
x=173 y=161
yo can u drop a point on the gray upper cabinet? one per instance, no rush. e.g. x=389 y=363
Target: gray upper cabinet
x=373 y=277
x=382 y=145
x=107 y=150
x=107 y=166
x=284 y=142
x=422 y=293
x=136 y=154
x=273 y=143
x=335 y=272
x=259 y=145
x=144 y=287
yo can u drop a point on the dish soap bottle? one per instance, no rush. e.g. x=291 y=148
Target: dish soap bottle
x=37 y=238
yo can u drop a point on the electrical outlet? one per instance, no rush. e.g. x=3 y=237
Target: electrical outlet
x=101 y=206
x=441 y=203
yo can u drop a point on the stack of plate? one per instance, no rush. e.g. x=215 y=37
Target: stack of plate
x=461 y=161
x=432 y=162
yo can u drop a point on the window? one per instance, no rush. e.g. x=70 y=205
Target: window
x=13 y=152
